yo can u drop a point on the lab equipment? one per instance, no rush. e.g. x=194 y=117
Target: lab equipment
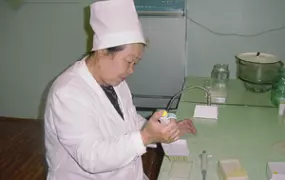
x=208 y=95
x=204 y=164
x=258 y=70
x=220 y=75
x=165 y=119
x=275 y=170
x=176 y=151
x=217 y=90
x=218 y=83
x=231 y=169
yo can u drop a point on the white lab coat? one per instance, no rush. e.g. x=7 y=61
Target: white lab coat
x=85 y=137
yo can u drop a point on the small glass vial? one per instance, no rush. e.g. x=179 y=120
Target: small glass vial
x=165 y=119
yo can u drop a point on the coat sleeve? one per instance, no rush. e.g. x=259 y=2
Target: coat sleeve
x=80 y=135
x=141 y=120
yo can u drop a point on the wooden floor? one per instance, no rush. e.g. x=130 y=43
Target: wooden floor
x=22 y=151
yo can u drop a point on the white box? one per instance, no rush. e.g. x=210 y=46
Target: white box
x=181 y=170
x=276 y=170
x=231 y=169
x=176 y=148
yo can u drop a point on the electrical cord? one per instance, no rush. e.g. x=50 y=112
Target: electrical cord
x=234 y=34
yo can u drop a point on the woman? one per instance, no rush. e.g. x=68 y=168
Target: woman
x=92 y=129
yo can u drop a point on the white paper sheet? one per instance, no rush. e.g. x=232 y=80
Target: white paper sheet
x=207 y=112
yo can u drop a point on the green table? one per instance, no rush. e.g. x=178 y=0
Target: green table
x=247 y=133
x=237 y=94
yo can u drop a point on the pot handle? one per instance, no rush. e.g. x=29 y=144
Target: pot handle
x=240 y=62
x=281 y=63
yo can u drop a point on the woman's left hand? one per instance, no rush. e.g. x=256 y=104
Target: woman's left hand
x=186 y=126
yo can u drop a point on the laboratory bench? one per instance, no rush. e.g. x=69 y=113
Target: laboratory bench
x=248 y=128
x=22 y=151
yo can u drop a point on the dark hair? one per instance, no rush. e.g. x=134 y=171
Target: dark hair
x=110 y=50
x=113 y=50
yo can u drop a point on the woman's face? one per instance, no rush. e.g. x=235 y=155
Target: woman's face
x=116 y=67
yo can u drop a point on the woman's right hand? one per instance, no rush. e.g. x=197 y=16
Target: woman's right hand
x=156 y=132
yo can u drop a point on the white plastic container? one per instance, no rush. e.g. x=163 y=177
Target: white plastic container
x=276 y=170
x=231 y=169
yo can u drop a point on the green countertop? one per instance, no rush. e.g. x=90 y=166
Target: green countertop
x=247 y=133
x=237 y=94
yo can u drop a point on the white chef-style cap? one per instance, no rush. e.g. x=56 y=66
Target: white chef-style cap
x=115 y=23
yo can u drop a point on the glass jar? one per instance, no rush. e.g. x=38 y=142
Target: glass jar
x=220 y=75
x=278 y=88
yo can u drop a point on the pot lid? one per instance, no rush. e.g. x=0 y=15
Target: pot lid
x=257 y=57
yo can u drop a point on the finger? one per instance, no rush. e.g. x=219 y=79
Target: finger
x=174 y=135
x=172 y=124
x=170 y=130
x=190 y=126
x=156 y=115
x=173 y=131
x=185 y=124
x=170 y=134
x=176 y=138
x=173 y=138
x=180 y=123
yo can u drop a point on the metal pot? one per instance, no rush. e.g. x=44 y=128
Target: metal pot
x=258 y=68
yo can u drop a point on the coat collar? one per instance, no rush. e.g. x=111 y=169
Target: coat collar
x=87 y=76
